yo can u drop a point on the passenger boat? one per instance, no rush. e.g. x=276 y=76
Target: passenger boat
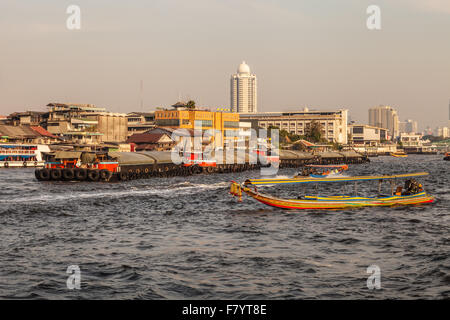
x=447 y=156
x=399 y=154
x=413 y=193
x=321 y=171
x=22 y=155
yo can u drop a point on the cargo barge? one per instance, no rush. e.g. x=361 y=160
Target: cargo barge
x=125 y=166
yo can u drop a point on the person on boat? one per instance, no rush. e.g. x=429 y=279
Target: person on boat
x=412 y=187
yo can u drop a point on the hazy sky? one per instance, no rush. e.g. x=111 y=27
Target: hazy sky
x=304 y=52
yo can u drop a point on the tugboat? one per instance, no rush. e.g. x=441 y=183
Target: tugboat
x=78 y=166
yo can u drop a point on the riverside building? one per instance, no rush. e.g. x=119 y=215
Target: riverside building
x=365 y=134
x=333 y=123
x=225 y=124
x=140 y=122
x=86 y=123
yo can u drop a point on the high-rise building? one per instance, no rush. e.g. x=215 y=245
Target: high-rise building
x=443 y=132
x=449 y=114
x=385 y=117
x=243 y=89
x=408 y=126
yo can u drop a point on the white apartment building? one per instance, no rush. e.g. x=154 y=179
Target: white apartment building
x=411 y=139
x=243 y=90
x=385 y=117
x=364 y=134
x=334 y=123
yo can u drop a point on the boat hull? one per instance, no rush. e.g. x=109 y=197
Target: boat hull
x=339 y=202
x=21 y=164
x=399 y=155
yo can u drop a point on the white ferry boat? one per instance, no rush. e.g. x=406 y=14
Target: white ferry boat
x=22 y=155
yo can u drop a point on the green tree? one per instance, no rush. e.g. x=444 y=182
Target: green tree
x=269 y=130
x=286 y=137
x=313 y=132
x=337 y=146
x=433 y=138
x=190 y=104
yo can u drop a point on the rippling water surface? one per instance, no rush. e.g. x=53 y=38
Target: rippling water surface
x=187 y=238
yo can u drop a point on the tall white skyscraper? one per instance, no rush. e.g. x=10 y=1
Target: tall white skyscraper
x=243 y=91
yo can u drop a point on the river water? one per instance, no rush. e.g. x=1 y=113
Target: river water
x=187 y=238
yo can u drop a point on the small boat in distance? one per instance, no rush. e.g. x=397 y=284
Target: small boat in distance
x=399 y=154
x=412 y=193
x=447 y=156
x=321 y=171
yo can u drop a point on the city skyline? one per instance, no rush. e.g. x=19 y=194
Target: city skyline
x=321 y=56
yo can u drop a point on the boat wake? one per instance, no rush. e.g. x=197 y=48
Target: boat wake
x=162 y=192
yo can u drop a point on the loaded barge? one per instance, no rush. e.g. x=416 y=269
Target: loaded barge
x=125 y=166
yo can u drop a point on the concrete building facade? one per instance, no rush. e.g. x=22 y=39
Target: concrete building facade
x=225 y=124
x=140 y=122
x=364 y=134
x=86 y=123
x=32 y=118
x=333 y=123
x=411 y=139
x=112 y=126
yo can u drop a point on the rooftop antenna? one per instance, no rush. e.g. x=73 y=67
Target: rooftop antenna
x=142 y=95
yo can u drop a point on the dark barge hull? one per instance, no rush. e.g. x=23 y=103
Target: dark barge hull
x=147 y=165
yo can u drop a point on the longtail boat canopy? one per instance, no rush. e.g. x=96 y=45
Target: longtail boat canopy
x=274 y=181
x=326 y=166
